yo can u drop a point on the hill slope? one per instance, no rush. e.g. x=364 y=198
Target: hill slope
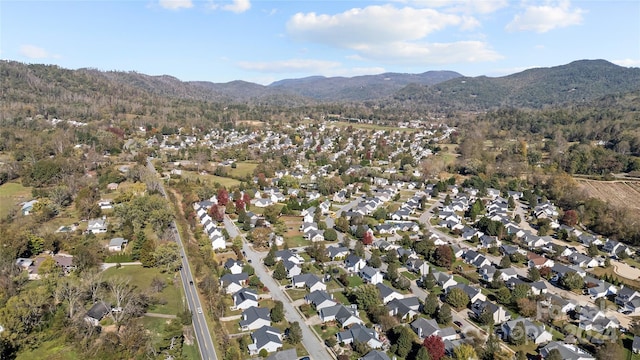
x=576 y=82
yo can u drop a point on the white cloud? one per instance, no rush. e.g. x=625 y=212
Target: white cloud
x=238 y=6
x=309 y=66
x=546 y=17
x=291 y=65
x=418 y=54
x=627 y=62
x=35 y=52
x=509 y=71
x=176 y=4
x=370 y=25
x=392 y=35
x=464 y=6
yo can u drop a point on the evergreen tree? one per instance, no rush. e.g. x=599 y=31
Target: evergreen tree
x=430 y=305
x=277 y=312
x=280 y=272
x=444 y=315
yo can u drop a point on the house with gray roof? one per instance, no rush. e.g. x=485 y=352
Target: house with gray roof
x=337 y=252
x=98 y=311
x=234 y=266
x=473 y=293
x=310 y=281
x=254 y=318
x=498 y=313
x=371 y=275
x=418 y=266
x=444 y=280
x=362 y=334
x=344 y=315
x=320 y=299
x=354 y=263
x=292 y=268
x=535 y=333
x=375 y=355
x=567 y=351
x=388 y=294
x=244 y=299
x=231 y=283
x=405 y=308
x=268 y=338
x=427 y=327
x=289 y=354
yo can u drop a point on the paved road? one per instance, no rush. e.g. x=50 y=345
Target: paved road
x=315 y=347
x=200 y=326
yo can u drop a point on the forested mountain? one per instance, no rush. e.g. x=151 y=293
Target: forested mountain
x=576 y=82
x=87 y=94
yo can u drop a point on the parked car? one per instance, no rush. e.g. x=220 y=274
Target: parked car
x=458 y=323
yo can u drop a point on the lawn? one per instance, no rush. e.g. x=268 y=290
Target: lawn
x=329 y=331
x=296 y=241
x=141 y=278
x=354 y=281
x=231 y=327
x=340 y=297
x=296 y=294
x=11 y=195
x=51 y=350
x=242 y=169
x=224 y=181
x=409 y=275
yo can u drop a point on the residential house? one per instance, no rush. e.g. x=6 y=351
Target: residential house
x=344 y=315
x=599 y=288
x=535 y=333
x=539 y=261
x=218 y=242
x=425 y=328
x=444 y=280
x=354 y=263
x=244 y=299
x=405 y=308
x=98 y=311
x=625 y=294
x=105 y=204
x=371 y=275
x=499 y=314
x=292 y=268
x=375 y=355
x=97 y=226
x=614 y=248
x=117 y=244
x=289 y=354
x=232 y=283
x=635 y=346
x=320 y=299
x=234 y=266
x=474 y=293
x=418 y=266
x=254 y=318
x=556 y=304
x=310 y=281
x=289 y=255
x=582 y=260
x=567 y=351
x=538 y=288
x=387 y=294
x=27 y=207
x=268 y=338
x=593 y=318
x=362 y=334
x=337 y=252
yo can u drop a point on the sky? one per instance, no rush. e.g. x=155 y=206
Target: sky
x=264 y=41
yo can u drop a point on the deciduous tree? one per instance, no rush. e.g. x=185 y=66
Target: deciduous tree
x=434 y=346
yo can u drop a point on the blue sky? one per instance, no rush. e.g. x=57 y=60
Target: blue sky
x=264 y=41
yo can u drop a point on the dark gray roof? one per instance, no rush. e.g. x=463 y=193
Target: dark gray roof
x=375 y=355
x=266 y=334
x=289 y=354
x=227 y=279
x=250 y=315
x=99 y=310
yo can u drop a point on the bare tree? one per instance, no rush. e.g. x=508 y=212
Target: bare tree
x=69 y=290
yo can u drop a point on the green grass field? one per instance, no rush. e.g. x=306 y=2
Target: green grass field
x=12 y=194
x=50 y=350
x=242 y=169
x=141 y=278
x=224 y=181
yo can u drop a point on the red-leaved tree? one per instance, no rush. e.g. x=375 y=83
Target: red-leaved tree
x=367 y=239
x=434 y=346
x=217 y=212
x=223 y=196
x=239 y=206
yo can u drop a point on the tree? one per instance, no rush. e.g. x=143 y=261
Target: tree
x=443 y=256
x=570 y=218
x=610 y=351
x=572 y=281
x=592 y=250
x=330 y=235
x=375 y=261
x=444 y=316
x=404 y=340
x=280 y=272
x=518 y=335
x=457 y=298
x=429 y=281
x=533 y=273
x=520 y=291
x=342 y=224
x=277 y=312
x=167 y=257
x=271 y=213
x=270 y=259
x=366 y=297
x=465 y=352
x=359 y=249
x=554 y=354
x=434 y=346
x=422 y=353
x=476 y=209
x=527 y=307
x=222 y=196
x=503 y=295
x=295 y=333
x=430 y=305
x=486 y=318
x=505 y=262
x=367 y=238
x=392 y=272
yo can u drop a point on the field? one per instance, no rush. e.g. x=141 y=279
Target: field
x=625 y=194
x=242 y=169
x=224 y=181
x=12 y=194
